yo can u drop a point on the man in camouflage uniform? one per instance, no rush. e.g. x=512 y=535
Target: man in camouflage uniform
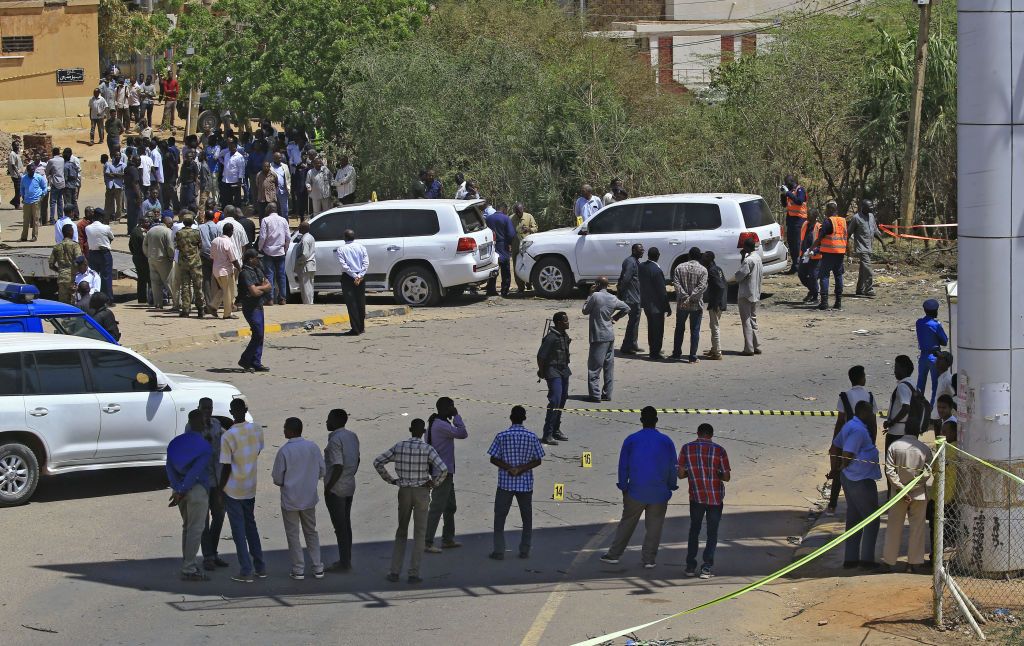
x=190 y=267
x=62 y=261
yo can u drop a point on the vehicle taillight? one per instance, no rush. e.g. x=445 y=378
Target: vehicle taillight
x=465 y=245
x=747 y=235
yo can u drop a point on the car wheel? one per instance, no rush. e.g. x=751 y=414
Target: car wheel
x=19 y=474
x=552 y=278
x=417 y=287
x=208 y=118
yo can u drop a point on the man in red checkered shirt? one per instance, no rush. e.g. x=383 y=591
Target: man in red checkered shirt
x=706 y=466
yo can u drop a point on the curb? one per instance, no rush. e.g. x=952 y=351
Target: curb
x=270 y=328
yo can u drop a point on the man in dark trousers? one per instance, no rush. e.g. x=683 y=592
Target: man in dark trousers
x=553 y=367
x=654 y=300
x=794 y=200
x=342 y=458
x=604 y=310
x=354 y=264
x=716 y=296
x=504 y=236
x=252 y=286
x=628 y=288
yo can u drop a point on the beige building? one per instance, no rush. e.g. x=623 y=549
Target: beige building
x=49 y=62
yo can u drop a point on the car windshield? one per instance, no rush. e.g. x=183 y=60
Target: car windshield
x=73 y=326
x=472 y=218
x=756 y=214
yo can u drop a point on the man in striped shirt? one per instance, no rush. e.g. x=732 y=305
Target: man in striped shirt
x=418 y=467
x=706 y=466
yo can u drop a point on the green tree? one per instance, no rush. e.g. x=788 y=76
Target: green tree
x=284 y=59
x=124 y=32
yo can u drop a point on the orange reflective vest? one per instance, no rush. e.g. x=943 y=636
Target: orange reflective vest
x=796 y=210
x=814 y=238
x=835 y=242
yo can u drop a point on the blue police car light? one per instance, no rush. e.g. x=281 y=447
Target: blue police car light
x=18 y=292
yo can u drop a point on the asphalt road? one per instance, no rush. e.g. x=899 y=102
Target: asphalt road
x=94 y=558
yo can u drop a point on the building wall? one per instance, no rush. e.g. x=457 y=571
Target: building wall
x=65 y=36
x=600 y=13
x=735 y=10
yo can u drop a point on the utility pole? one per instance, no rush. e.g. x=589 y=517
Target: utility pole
x=909 y=191
x=990 y=209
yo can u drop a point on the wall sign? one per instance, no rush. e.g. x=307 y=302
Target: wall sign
x=72 y=75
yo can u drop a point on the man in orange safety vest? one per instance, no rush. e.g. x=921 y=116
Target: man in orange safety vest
x=831 y=244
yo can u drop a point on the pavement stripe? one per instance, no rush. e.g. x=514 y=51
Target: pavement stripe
x=550 y=607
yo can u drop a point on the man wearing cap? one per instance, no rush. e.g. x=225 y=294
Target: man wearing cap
x=86 y=275
x=62 y=260
x=930 y=339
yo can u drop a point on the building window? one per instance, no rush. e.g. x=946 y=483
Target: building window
x=18 y=44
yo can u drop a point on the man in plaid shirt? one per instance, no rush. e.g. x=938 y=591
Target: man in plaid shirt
x=706 y=466
x=516 y=452
x=418 y=467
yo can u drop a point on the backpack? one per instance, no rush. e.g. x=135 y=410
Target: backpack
x=848 y=408
x=920 y=414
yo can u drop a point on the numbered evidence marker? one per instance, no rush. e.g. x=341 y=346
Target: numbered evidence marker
x=587 y=461
x=559 y=491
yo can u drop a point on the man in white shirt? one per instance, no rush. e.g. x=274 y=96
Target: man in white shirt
x=587 y=204
x=158 y=162
x=298 y=469
x=98 y=108
x=899 y=404
x=318 y=185
x=284 y=183
x=86 y=275
x=305 y=263
x=904 y=460
x=354 y=264
x=146 y=171
x=345 y=181
x=65 y=218
x=274 y=240
x=238 y=235
x=100 y=237
x=232 y=175
x=848 y=400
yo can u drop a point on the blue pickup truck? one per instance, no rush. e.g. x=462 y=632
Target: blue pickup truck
x=22 y=311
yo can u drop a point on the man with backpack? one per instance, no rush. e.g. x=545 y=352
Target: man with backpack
x=848 y=400
x=899 y=403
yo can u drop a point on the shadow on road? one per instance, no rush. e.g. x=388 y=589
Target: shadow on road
x=97 y=484
x=751 y=544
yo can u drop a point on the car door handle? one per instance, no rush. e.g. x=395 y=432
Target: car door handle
x=675 y=242
x=111 y=408
x=38 y=412
x=622 y=243
x=394 y=248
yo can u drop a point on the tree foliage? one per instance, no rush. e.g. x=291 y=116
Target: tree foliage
x=123 y=32
x=284 y=59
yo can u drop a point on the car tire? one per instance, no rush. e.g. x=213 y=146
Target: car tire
x=208 y=118
x=552 y=278
x=416 y=286
x=19 y=474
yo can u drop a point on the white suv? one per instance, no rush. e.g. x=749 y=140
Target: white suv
x=556 y=261
x=73 y=404
x=421 y=250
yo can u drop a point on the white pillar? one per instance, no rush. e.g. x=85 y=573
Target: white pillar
x=990 y=176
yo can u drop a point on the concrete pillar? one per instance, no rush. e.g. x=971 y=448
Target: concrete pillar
x=990 y=176
x=748 y=44
x=666 y=60
x=728 y=49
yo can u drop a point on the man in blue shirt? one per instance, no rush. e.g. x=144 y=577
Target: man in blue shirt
x=859 y=472
x=33 y=190
x=504 y=235
x=188 y=470
x=516 y=452
x=930 y=339
x=647 y=478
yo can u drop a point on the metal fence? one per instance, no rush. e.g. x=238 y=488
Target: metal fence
x=979 y=531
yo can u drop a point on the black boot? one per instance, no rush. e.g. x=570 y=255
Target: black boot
x=839 y=302
x=823 y=305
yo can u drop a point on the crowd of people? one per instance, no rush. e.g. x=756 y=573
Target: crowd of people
x=212 y=468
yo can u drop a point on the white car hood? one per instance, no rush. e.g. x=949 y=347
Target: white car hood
x=191 y=383
x=553 y=233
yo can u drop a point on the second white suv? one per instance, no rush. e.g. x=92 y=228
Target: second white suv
x=421 y=250
x=556 y=261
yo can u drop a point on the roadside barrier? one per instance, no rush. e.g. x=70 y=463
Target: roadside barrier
x=894 y=231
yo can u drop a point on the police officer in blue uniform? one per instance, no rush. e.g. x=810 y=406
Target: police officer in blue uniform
x=930 y=339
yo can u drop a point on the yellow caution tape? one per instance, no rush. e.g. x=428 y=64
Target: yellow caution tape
x=596 y=641
x=1006 y=473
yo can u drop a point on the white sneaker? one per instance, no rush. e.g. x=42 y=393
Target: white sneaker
x=649 y=566
x=608 y=558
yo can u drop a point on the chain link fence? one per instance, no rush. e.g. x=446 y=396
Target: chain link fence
x=980 y=584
